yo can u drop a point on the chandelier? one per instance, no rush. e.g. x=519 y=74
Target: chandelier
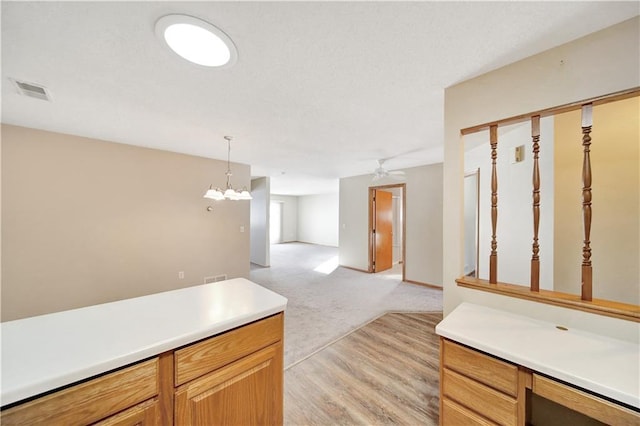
x=229 y=193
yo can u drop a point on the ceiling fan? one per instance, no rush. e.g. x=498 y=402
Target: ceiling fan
x=381 y=172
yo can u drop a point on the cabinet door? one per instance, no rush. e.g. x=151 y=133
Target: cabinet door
x=246 y=392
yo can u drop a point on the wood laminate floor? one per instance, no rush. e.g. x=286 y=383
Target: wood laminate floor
x=381 y=374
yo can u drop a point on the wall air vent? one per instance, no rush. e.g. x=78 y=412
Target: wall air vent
x=32 y=90
x=215 y=279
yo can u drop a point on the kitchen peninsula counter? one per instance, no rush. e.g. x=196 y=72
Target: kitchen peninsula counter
x=43 y=353
x=504 y=357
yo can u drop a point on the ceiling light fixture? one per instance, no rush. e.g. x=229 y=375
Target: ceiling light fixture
x=196 y=40
x=229 y=193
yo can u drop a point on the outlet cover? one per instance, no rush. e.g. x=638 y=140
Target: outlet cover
x=518 y=154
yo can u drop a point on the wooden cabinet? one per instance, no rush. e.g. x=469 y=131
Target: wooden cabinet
x=479 y=389
x=145 y=414
x=456 y=414
x=246 y=392
x=590 y=405
x=232 y=378
x=477 y=385
x=210 y=354
x=91 y=401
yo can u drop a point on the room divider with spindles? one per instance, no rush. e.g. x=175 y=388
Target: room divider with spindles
x=586 y=202
x=535 y=257
x=585 y=300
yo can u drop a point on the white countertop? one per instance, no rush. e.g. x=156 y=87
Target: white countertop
x=48 y=351
x=603 y=365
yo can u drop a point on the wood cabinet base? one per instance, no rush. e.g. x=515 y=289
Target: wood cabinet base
x=242 y=393
x=480 y=389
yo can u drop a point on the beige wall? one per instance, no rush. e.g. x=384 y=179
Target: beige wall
x=604 y=62
x=615 y=159
x=87 y=221
x=423 y=222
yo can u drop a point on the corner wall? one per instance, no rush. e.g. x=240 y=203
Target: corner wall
x=424 y=224
x=353 y=235
x=318 y=219
x=603 y=62
x=86 y=221
x=260 y=208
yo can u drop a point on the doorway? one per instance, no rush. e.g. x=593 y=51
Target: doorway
x=471 y=223
x=275 y=222
x=387 y=227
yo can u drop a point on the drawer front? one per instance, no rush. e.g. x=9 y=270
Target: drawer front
x=145 y=414
x=454 y=414
x=493 y=372
x=201 y=358
x=585 y=403
x=479 y=398
x=90 y=401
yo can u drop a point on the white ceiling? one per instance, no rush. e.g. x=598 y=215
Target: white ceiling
x=321 y=90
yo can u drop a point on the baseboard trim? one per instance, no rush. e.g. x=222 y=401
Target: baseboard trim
x=355 y=269
x=437 y=287
x=304 y=242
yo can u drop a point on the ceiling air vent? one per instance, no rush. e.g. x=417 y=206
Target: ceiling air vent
x=32 y=90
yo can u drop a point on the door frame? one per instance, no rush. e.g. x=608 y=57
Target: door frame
x=476 y=174
x=280 y=217
x=403 y=200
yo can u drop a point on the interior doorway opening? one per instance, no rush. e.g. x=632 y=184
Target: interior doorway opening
x=471 y=223
x=387 y=227
x=275 y=222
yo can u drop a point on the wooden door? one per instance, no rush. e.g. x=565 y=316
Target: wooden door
x=382 y=230
x=246 y=392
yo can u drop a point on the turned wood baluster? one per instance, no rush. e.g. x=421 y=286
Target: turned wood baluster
x=493 y=258
x=587 y=122
x=535 y=259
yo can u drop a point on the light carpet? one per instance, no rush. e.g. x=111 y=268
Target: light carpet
x=324 y=307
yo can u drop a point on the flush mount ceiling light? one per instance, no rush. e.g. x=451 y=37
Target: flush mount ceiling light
x=196 y=41
x=229 y=193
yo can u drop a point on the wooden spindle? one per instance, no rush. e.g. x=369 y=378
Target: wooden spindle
x=493 y=258
x=535 y=259
x=587 y=275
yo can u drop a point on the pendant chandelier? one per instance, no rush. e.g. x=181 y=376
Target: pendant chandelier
x=229 y=193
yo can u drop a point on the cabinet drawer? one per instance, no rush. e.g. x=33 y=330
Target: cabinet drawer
x=585 y=403
x=492 y=372
x=203 y=357
x=454 y=414
x=90 y=401
x=145 y=414
x=479 y=398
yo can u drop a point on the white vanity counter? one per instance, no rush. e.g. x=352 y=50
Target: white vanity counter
x=600 y=364
x=48 y=351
